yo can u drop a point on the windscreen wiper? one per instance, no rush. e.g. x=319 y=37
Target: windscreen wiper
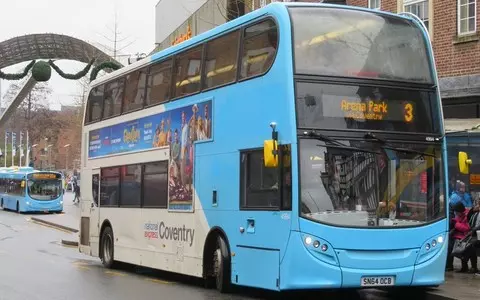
x=387 y=145
x=336 y=144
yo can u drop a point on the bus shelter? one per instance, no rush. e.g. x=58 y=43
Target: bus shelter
x=464 y=135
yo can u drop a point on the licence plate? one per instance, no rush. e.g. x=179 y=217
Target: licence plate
x=378 y=281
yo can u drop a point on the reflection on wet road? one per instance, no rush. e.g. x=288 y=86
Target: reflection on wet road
x=34 y=265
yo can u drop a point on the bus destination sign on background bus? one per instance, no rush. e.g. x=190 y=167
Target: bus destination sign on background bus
x=153 y=131
x=40 y=176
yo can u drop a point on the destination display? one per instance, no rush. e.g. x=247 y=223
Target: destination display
x=40 y=176
x=365 y=108
x=375 y=110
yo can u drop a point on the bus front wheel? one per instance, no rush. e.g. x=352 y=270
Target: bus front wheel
x=107 y=248
x=221 y=266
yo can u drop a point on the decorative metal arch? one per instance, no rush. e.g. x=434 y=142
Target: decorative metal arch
x=44 y=46
x=49 y=46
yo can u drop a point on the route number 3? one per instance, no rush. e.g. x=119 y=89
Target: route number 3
x=408 y=109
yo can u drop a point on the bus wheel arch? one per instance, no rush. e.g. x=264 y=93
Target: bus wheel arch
x=217 y=254
x=106 y=232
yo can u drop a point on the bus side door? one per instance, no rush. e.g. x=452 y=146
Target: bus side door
x=265 y=221
x=90 y=215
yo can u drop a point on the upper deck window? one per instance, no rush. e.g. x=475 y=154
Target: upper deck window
x=187 y=72
x=112 y=104
x=95 y=104
x=349 y=43
x=134 y=91
x=221 y=60
x=259 y=48
x=158 y=83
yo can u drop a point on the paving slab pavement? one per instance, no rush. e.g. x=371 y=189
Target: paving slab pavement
x=459 y=286
x=67 y=221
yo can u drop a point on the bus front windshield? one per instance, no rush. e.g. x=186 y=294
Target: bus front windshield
x=351 y=43
x=369 y=184
x=44 y=189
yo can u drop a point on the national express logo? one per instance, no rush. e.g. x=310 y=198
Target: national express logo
x=164 y=232
x=131 y=136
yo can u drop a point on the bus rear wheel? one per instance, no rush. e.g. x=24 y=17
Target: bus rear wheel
x=106 y=248
x=221 y=266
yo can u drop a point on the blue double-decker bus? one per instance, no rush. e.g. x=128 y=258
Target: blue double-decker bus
x=23 y=189
x=300 y=146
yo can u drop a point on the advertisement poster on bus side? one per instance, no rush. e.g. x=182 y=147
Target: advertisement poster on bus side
x=177 y=129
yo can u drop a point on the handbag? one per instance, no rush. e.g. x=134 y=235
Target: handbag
x=461 y=246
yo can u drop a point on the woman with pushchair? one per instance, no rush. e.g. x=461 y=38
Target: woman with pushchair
x=473 y=250
x=459 y=230
x=463 y=241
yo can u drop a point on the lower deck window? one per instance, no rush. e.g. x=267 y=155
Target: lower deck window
x=155 y=185
x=138 y=185
x=265 y=188
x=110 y=187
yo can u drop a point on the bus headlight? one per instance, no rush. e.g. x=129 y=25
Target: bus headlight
x=308 y=240
x=320 y=249
x=430 y=248
x=28 y=202
x=61 y=202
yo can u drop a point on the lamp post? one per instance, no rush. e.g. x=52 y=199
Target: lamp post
x=67 y=146
x=49 y=157
x=28 y=154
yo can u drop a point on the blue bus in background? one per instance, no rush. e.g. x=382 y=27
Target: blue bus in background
x=300 y=146
x=23 y=189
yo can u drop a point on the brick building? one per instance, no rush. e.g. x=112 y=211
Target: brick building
x=453 y=30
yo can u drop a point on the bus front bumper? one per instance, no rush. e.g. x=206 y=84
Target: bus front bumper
x=43 y=206
x=307 y=267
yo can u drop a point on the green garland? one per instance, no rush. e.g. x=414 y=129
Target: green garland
x=41 y=71
x=72 y=76
x=17 y=76
x=106 y=65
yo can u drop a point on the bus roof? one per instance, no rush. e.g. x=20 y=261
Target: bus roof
x=275 y=8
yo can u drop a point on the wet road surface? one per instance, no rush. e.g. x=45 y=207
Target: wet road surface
x=35 y=266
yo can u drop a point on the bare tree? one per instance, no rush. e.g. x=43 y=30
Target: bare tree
x=117 y=43
x=34 y=115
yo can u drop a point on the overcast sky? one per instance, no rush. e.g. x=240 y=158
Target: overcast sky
x=90 y=20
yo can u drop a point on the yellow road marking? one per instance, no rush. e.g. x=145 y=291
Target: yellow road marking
x=115 y=273
x=158 y=281
x=82 y=268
